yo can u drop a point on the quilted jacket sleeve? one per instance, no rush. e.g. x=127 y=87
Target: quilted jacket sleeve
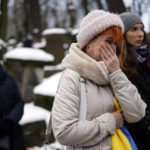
x=133 y=107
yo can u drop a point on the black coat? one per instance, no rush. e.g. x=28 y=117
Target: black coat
x=11 y=103
x=139 y=130
x=11 y=111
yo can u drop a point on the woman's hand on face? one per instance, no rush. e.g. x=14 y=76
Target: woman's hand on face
x=109 y=57
x=119 y=119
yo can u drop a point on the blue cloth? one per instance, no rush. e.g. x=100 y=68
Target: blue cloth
x=127 y=134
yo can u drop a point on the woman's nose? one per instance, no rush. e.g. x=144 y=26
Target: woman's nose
x=140 y=33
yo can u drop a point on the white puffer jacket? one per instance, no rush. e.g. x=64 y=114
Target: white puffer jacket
x=95 y=132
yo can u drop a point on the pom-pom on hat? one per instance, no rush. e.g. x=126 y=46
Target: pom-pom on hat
x=95 y=23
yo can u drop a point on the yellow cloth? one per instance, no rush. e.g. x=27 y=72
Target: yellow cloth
x=118 y=139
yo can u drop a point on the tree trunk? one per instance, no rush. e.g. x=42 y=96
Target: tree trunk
x=99 y=4
x=72 y=14
x=116 y=6
x=32 y=17
x=85 y=6
x=3 y=19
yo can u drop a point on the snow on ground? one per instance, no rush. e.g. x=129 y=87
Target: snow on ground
x=53 y=146
x=33 y=54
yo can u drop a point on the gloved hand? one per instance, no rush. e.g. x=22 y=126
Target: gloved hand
x=5 y=126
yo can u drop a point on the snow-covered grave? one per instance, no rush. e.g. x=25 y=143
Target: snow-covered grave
x=48 y=86
x=27 y=64
x=33 y=54
x=54 y=31
x=51 y=68
x=33 y=113
x=40 y=44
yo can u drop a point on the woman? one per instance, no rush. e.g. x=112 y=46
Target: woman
x=94 y=58
x=135 y=62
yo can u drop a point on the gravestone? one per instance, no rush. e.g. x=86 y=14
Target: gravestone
x=58 y=41
x=26 y=66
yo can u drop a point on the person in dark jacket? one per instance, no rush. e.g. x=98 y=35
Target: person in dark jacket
x=134 y=58
x=11 y=111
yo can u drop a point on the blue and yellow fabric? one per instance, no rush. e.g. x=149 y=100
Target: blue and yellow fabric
x=121 y=139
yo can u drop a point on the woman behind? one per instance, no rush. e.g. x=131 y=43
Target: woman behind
x=135 y=62
x=94 y=58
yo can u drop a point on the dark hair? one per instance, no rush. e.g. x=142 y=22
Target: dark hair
x=128 y=61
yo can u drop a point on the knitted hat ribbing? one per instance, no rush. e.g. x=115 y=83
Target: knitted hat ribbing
x=96 y=22
x=129 y=19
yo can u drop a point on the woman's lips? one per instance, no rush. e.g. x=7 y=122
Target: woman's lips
x=139 y=41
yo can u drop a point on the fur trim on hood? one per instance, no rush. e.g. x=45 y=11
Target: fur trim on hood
x=85 y=65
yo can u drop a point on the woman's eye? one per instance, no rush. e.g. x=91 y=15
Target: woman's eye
x=109 y=41
x=134 y=29
x=116 y=43
x=142 y=29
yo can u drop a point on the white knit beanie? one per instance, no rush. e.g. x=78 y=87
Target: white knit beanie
x=96 y=22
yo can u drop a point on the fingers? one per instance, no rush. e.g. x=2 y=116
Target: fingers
x=108 y=49
x=109 y=57
x=119 y=119
x=106 y=52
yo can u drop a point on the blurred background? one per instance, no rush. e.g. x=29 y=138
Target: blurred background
x=35 y=35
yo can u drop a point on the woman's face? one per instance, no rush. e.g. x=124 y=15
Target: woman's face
x=135 y=35
x=93 y=48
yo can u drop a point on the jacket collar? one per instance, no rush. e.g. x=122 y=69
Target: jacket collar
x=86 y=66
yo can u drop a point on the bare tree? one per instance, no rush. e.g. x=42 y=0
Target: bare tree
x=100 y=6
x=18 y=19
x=3 y=19
x=32 y=16
x=85 y=6
x=140 y=6
x=64 y=13
x=72 y=13
x=116 y=6
x=44 y=13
